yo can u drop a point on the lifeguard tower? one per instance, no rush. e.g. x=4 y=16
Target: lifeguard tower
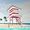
x=14 y=16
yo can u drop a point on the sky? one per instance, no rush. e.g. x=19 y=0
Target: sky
x=23 y=4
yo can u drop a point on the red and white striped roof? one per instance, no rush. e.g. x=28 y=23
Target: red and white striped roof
x=13 y=11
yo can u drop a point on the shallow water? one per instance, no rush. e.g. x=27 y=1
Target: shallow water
x=14 y=28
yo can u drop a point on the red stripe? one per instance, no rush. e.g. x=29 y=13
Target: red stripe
x=12 y=9
x=13 y=13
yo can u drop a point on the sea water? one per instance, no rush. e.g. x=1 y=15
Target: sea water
x=14 y=28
